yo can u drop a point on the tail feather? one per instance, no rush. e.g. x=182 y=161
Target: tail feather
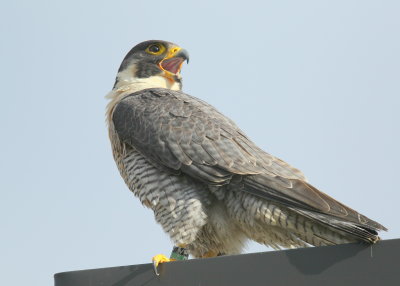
x=361 y=232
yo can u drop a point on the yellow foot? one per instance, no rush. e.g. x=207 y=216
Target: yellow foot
x=210 y=254
x=160 y=258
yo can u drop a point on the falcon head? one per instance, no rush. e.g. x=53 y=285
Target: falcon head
x=152 y=64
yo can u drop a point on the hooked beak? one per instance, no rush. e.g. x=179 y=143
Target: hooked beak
x=173 y=61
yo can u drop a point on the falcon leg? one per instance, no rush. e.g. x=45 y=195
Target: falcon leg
x=178 y=253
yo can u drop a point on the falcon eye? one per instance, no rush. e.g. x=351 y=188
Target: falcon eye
x=155 y=49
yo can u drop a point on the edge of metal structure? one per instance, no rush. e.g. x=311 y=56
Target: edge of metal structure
x=347 y=264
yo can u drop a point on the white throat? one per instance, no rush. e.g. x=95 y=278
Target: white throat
x=128 y=84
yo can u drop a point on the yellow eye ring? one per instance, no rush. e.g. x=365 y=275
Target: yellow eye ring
x=155 y=49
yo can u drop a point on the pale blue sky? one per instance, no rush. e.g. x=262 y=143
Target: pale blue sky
x=313 y=82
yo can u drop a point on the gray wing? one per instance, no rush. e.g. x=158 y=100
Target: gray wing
x=182 y=134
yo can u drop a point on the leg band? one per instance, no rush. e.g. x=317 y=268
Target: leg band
x=179 y=253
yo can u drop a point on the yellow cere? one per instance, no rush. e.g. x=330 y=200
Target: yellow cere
x=172 y=52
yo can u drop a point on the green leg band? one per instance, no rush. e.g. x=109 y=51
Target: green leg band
x=179 y=253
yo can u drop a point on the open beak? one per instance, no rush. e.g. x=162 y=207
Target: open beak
x=173 y=62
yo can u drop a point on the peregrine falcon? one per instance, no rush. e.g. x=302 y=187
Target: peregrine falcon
x=210 y=187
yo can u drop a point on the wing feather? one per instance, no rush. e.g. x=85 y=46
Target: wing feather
x=182 y=133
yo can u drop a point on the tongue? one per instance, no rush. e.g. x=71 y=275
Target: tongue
x=172 y=65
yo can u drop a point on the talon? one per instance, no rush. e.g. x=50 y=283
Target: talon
x=160 y=258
